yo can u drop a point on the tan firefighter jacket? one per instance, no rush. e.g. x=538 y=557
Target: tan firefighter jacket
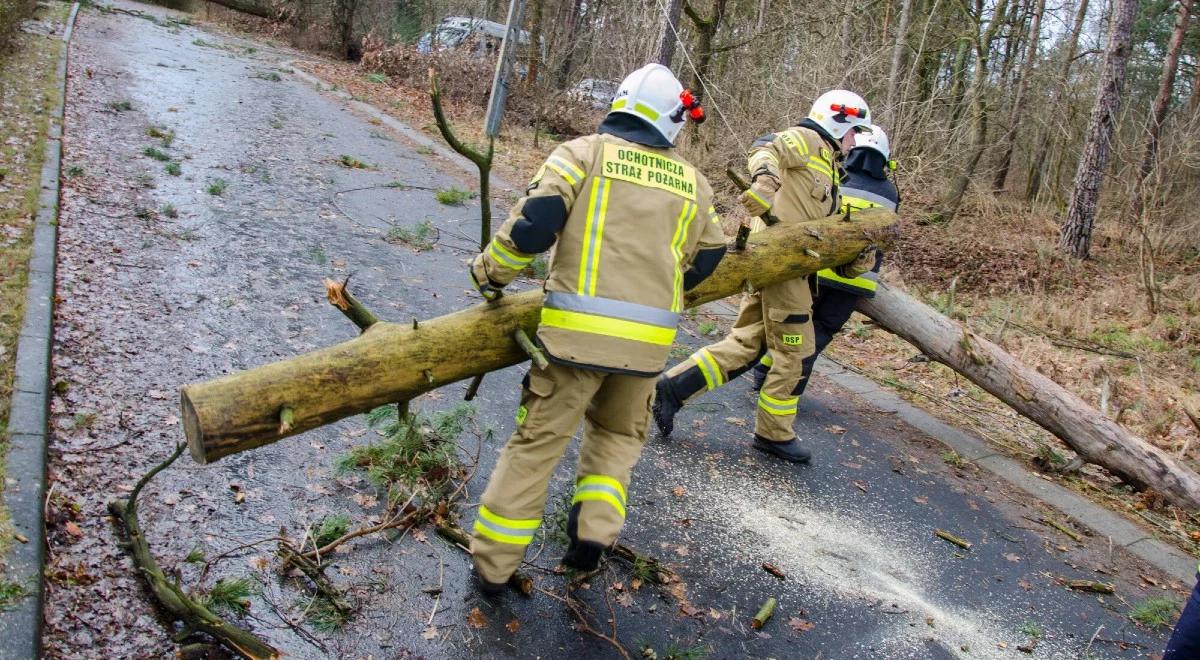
x=626 y=222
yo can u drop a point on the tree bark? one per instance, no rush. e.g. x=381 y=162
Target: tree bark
x=1076 y=236
x=392 y=362
x=1037 y=164
x=898 y=48
x=1095 y=437
x=1166 y=89
x=1018 y=107
x=570 y=34
x=664 y=49
x=706 y=32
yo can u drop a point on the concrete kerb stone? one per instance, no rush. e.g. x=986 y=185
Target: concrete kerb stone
x=1103 y=522
x=25 y=483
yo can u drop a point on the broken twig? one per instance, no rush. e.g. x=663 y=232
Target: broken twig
x=764 y=614
x=943 y=534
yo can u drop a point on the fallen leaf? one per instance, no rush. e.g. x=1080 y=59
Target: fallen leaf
x=687 y=610
x=921 y=499
x=419 y=535
x=73 y=529
x=365 y=501
x=682 y=550
x=1024 y=584
x=678 y=491
x=429 y=633
x=476 y=618
x=1012 y=557
x=625 y=600
x=852 y=466
x=715 y=615
x=239 y=497
x=800 y=625
x=157 y=394
x=835 y=429
x=635 y=584
x=736 y=421
x=513 y=626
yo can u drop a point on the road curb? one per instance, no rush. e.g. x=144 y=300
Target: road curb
x=1103 y=522
x=25 y=483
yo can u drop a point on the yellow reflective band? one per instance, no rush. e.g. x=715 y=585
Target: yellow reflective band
x=639 y=108
x=686 y=214
x=506 y=256
x=777 y=406
x=609 y=327
x=753 y=195
x=820 y=166
x=575 y=169
x=599 y=488
x=522 y=413
x=851 y=203
x=796 y=142
x=856 y=282
x=589 y=262
x=505 y=530
x=712 y=215
x=563 y=172
x=708 y=368
x=767 y=360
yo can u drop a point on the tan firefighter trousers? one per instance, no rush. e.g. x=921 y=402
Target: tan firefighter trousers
x=615 y=409
x=777 y=319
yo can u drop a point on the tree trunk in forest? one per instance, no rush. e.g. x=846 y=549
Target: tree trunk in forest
x=664 y=49
x=1018 y=107
x=1036 y=165
x=343 y=19
x=533 y=64
x=706 y=32
x=392 y=362
x=1076 y=236
x=570 y=35
x=262 y=10
x=1166 y=89
x=958 y=81
x=1096 y=438
x=898 y=48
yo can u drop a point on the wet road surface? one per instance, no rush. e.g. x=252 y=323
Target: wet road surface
x=150 y=302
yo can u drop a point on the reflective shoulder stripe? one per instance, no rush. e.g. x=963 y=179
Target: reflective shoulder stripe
x=607 y=326
x=864 y=199
x=618 y=309
x=862 y=282
x=682 y=223
x=793 y=139
x=505 y=530
x=572 y=174
x=506 y=257
x=597 y=487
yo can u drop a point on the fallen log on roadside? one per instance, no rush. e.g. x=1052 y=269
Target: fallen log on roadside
x=1092 y=435
x=395 y=362
x=262 y=10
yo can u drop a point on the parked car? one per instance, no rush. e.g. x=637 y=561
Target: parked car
x=595 y=92
x=481 y=37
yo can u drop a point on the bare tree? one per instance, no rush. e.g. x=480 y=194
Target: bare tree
x=1166 y=89
x=1076 y=236
x=898 y=48
x=1018 y=106
x=706 y=32
x=1037 y=163
x=664 y=50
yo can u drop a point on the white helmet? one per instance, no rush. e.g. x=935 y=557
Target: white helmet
x=874 y=138
x=838 y=111
x=653 y=94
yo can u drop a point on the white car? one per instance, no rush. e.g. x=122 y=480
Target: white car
x=481 y=37
x=595 y=92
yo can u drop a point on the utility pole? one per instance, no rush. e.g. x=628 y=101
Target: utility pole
x=504 y=63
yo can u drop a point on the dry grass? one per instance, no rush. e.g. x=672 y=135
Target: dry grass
x=27 y=81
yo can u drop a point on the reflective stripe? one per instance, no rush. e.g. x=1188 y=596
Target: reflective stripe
x=638 y=108
x=682 y=223
x=856 y=198
x=766 y=360
x=777 y=406
x=712 y=215
x=609 y=327
x=506 y=256
x=793 y=139
x=867 y=281
x=754 y=162
x=505 y=530
x=565 y=170
x=617 y=309
x=596 y=487
x=753 y=195
x=708 y=368
x=816 y=163
x=589 y=262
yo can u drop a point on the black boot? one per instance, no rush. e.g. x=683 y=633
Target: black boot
x=791 y=450
x=582 y=556
x=666 y=406
x=488 y=589
x=760 y=376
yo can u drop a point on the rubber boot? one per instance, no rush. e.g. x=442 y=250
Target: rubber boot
x=666 y=406
x=791 y=450
x=760 y=376
x=488 y=589
x=582 y=556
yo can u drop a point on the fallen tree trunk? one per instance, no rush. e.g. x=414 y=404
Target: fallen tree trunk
x=1095 y=437
x=264 y=10
x=392 y=362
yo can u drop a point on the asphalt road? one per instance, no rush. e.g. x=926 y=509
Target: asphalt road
x=151 y=302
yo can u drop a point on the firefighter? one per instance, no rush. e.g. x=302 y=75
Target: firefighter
x=793 y=173
x=633 y=227
x=865 y=186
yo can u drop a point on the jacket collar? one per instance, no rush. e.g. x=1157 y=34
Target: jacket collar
x=814 y=126
x=867 y=162
x=634 y=129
